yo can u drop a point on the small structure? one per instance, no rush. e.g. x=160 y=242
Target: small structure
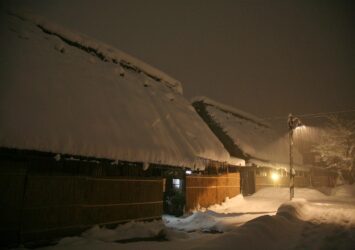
x=250 y=138
x=88 y=134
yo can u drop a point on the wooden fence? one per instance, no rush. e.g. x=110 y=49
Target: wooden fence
x=35 y=207
x=208 y=190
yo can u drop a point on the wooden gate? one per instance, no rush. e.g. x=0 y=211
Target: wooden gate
x=247 y=180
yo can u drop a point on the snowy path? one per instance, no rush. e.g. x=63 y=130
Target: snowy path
x=297 y=225
x=266 y=220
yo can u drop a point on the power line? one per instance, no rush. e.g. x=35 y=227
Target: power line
x=314 y=115
x=327 y=113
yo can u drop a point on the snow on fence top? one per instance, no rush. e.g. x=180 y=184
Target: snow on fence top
x=57 y=97
x=249 y=133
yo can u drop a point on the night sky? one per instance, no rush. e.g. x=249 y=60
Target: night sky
x=265 y=57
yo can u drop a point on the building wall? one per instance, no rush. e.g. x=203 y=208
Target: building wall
x=206 y=190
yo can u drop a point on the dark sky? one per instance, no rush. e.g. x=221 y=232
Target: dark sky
x=265 y=57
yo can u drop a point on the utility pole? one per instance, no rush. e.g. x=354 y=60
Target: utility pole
x=293 y=123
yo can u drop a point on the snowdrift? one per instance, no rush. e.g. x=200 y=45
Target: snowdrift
x=344 y=191
x=299 y=224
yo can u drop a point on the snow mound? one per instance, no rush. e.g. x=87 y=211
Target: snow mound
x=126 y=231
x=327 y=213
x=297 y=225
x=344 y=191
x=198 y=221
x=297 y=210
x=239 y=205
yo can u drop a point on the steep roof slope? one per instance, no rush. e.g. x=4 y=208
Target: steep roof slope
x=65 y=93
x=251 y=135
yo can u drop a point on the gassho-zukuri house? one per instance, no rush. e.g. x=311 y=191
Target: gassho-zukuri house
x=265 y=152
x=90 y=135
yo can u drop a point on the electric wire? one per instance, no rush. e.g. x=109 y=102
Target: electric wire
x=314 y=115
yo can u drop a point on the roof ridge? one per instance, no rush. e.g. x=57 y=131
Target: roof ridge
x=103 y=51
x=229 y=109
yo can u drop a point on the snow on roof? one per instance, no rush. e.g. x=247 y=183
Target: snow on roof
x=229 y=109
x=236 y=161
x=57 y=96
x=105 y=52
x=253 y=136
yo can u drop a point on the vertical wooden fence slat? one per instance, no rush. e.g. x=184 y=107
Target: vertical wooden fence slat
x=12 y=180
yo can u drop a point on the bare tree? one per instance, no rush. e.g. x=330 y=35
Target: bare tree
x=336 y=146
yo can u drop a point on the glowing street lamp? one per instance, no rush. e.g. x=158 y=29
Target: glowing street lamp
x=293 y=123
x=275 y=177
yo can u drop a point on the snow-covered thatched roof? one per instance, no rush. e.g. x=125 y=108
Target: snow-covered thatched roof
x=255 y=140
x=65 y=93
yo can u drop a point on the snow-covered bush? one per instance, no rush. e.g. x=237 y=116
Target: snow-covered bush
x=336 y=146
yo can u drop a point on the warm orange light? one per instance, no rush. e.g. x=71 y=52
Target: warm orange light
x=275 y=176
x=300 y=127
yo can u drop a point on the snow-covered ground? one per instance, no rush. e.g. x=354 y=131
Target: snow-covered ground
x=265 y=220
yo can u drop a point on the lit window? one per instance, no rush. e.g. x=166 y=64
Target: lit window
x=261 y=172
x=176 y=183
